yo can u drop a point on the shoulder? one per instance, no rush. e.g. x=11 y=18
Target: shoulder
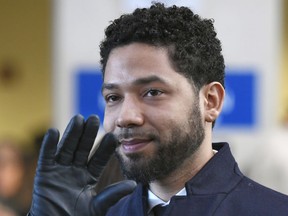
x=260 y=192
x=252 y=197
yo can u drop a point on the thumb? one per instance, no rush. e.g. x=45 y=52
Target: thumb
x=110 y=196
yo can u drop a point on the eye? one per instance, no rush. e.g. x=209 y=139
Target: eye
x=153 y=92
x=111 y=98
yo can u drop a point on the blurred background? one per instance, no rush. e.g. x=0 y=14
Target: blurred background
x=49 y=70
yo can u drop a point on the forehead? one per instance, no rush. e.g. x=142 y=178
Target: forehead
x=138 y=60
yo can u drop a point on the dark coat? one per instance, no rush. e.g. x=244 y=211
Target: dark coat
x=218 y=189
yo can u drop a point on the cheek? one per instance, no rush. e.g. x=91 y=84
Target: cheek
x=176 y=112
x=167 y=118
x=160 y=120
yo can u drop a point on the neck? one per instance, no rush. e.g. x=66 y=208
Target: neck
x=169 y=186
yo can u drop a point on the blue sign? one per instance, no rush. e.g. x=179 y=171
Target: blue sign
x=239 y=108
x=89 y=99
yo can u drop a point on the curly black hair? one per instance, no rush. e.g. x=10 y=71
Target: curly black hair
x=193 y=48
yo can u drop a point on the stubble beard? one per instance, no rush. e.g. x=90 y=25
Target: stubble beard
x=170 y=154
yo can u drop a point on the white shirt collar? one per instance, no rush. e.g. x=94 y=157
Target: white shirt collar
x=153 y=200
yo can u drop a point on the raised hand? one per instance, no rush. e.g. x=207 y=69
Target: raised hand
x=65 y=179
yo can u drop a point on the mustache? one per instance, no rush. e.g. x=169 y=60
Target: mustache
x=127 y=133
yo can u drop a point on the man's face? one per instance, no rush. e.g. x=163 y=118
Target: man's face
x=153 y=111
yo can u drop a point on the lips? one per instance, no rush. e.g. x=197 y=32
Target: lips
x=133 y=145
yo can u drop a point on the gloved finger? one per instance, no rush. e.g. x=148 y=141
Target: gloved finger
x=110 y=196
x=48 y=147
x=87 y=140
x=70 y=140
x=100 y=158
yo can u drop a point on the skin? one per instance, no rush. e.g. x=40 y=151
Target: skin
x=11 y=171
x=144 y=93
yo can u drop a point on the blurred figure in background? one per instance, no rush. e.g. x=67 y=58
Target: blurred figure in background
x=7 y=211
x=14 y=189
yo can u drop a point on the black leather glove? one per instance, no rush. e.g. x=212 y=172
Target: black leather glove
x=65 y=179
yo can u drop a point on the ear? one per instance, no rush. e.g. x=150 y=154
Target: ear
x=213 y=100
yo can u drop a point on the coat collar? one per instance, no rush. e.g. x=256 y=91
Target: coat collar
x=219 y=175
x=205 y=190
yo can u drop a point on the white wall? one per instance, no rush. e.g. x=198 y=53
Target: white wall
x=250 y=34
x=78 y=28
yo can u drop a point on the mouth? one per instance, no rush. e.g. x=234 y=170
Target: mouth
x=133 y=145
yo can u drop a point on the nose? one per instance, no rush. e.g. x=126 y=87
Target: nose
x=130 y=113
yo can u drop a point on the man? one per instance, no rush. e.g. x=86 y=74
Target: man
x=163 y=85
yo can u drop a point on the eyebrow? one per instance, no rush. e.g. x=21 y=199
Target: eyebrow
x=140 y=81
